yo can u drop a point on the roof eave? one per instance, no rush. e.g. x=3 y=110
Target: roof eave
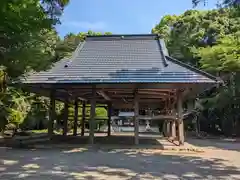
x=217 y=80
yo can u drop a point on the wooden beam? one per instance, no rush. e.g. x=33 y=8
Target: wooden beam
x=116 y=91
x=96 y=119
x=82 y=99
x=75 y=124
x=131 y=101
x=159 y=117
x=83 y=118
x=65 y=119
x=129 y=90
x=142 y=96
x=153 y=93
x=122 y=105
x=104 y=95
x=73 y=95
x=88 y=105
x=157 y=90
x=52 y=114
x=92 y=114
x=109 y=118
x=131 y=86
x=46 y=92
x=136 y=118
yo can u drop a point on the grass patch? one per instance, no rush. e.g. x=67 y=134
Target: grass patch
x=60 y=131
x=38 y=131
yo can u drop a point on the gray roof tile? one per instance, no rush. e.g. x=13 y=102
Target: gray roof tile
x=121 y=59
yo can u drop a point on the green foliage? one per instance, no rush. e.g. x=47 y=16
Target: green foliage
x=225 y=56
x=37 y=114
x=101 y=112
x=28 y=40
x=224 y=2
x=195 y=29
x=210 y=40
x=101 y=115
x=13 y=107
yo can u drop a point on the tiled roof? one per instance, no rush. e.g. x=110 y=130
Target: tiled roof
x=121 y=59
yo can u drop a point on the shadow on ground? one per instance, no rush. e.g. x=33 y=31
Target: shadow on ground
x=100 y=164
x=223 y=144
x=114 y=140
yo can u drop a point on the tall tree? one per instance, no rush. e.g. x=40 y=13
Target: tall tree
x=196 y=29
x=24 y=26
x=223 y=2
x=210 y=40
x=27 y=42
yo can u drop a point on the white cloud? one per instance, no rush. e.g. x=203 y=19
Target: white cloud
x=87 y=25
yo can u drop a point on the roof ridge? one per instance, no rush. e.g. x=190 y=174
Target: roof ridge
x=79 y=48
x=162 y=53
x=116 y=35
x=121 y=37
x=75 y=53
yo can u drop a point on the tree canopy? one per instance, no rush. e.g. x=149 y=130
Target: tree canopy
x=209 y=40
x=27 y=42
x=194 y=32
x=223 y=2
x=28 y=34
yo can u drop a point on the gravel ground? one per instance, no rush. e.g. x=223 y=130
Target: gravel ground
x=93 y=164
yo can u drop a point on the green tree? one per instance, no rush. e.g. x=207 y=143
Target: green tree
x=224 y=56
x=224 y=2
x=27 y=42
x=26 y=28
x=196 y=29
x=210 y=40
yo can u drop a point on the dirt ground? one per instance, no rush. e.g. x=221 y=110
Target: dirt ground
x=219 y=162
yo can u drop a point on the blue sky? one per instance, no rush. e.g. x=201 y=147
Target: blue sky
x=120 y=16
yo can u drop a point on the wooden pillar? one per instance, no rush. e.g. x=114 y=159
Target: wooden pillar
x=75 y=124
x=65 y=119
x=173 y=129
x=83 y=118
x=180 y=118
x=136 y=119
x=164 y=129
x=51 y=114
x=92 y=116
x=109 y=118
x=168 y=128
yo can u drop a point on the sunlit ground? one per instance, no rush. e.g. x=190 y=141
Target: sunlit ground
x=95 y=164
